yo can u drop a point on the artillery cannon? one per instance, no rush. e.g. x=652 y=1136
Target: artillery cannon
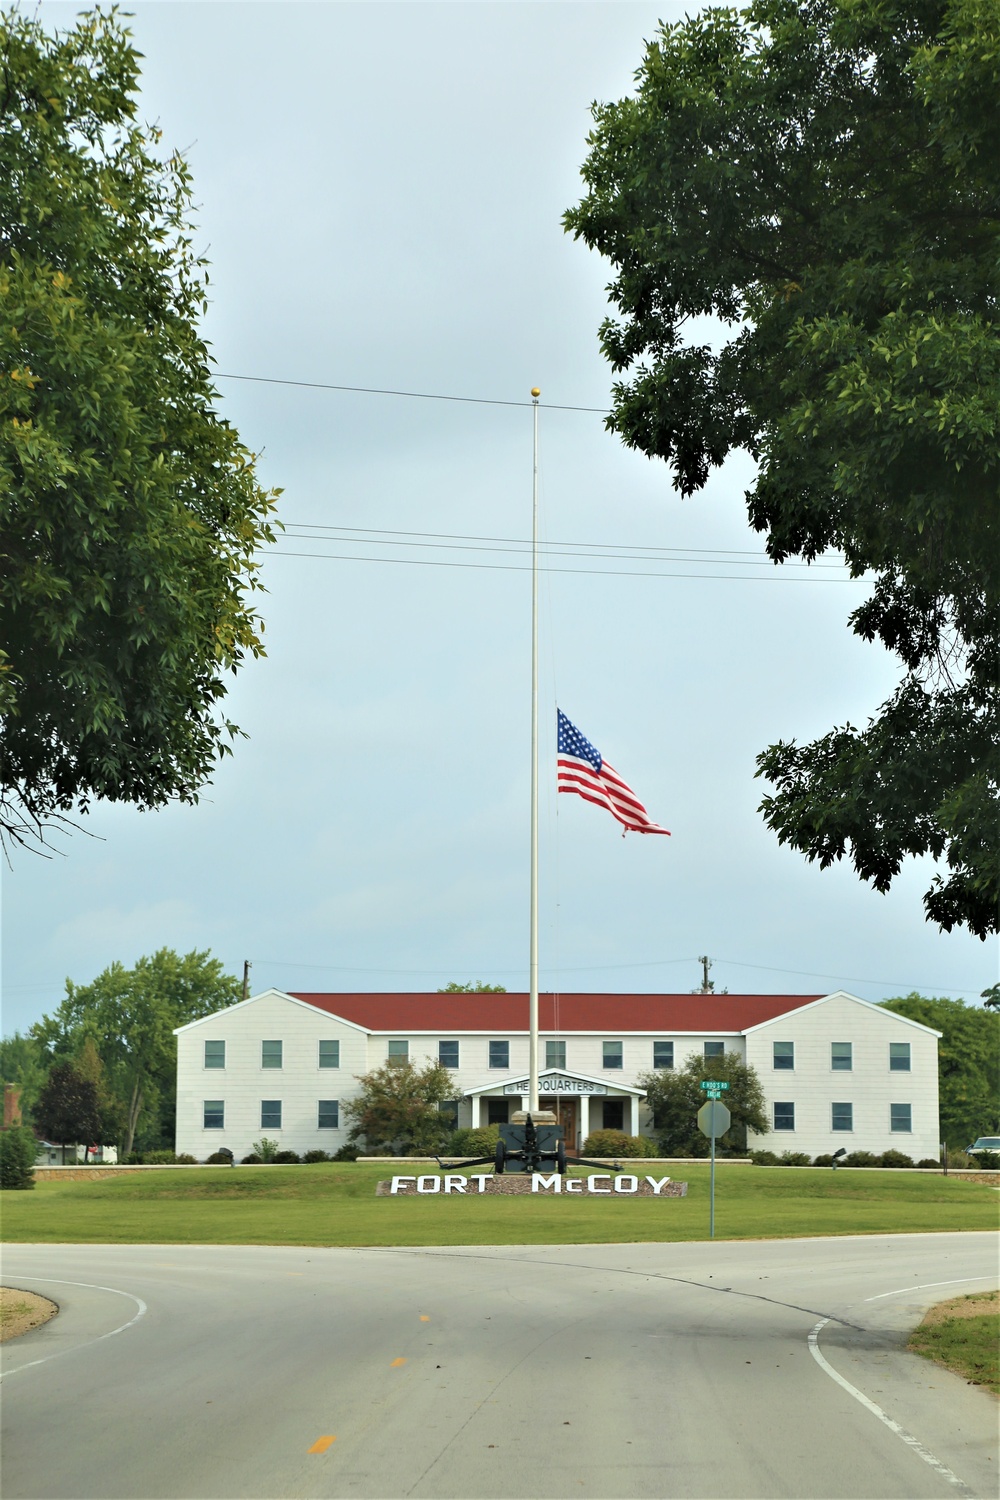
x=527 y=1147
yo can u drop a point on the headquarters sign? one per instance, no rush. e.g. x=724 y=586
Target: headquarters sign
x=557 y=1083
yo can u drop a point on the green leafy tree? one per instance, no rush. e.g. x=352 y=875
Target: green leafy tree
x=824 y=179
x=130 y=1015
x=968 y=1064
x=397 y=1109
x=473 y=989
x=67 y=1109
x=110 y=1109
x=23 y=1064
x=675 y=1097
x=129 y=512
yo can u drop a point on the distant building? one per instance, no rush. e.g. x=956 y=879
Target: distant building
x=836 y=1070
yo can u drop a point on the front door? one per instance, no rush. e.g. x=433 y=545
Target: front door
x=567 y=1113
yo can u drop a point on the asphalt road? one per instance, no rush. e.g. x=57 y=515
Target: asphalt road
x=595 y=1370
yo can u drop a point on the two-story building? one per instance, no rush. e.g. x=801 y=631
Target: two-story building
x=836 y=1070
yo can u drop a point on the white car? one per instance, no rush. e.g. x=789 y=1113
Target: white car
x=985 y=1143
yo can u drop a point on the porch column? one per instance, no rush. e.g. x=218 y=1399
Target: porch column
x=584 y=1118
x=633 y=1116
x=477 y=1111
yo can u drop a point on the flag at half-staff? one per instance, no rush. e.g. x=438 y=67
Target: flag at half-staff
x=583 y=770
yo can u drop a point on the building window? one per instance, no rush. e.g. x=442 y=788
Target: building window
x=215 y=1114
x=270 y=1054
x=899 y=1057
x=398 y=1051
x=555 y=1054
x=663 y=1054
x=614 y=1114
x=497 y=1111
x=448 y=1110
x=783 y=1055
x=215 y=1054
x=613 y=1055
x=448 y=1054
x=900 y=1119
x=784 y=1116
x=270 y=1114
x=715 y=1049
x=841 y=1058
x=329 y=1054
x=841 y=1116
x=329 y=1114
x=499 y=1054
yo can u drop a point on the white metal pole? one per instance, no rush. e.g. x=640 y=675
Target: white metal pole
x=533 y=957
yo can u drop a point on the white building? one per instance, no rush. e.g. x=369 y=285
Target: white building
x=836 y=1070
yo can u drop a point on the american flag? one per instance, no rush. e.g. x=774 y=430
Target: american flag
x=582 y=769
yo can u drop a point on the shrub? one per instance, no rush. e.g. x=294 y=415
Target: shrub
x=162 y=1158
x=986 y=1159
x=311 y=1157
x=476 y=1141
x=793 y=1159
x=764 y=1159
x=929 y=1161
x=960 y=1161
x=218 y=1158
x=862 y=1159
x=617 y=1143
x=825 y=1160
x=135 y=1159
x=252 y=1160
x=895 y=1159
x=287 y=1158
x=265 y=1149
x=346 y=1153
x=17 y=1158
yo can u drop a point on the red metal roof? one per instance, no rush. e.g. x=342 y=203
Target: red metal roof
x=608 y=1014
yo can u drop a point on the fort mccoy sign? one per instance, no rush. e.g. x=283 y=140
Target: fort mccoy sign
x=609 y=1185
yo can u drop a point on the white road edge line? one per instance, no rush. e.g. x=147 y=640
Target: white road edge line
x=876 y=1411
x=956 y=1281
x=93 y=1287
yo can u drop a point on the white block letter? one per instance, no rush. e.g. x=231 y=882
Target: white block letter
x=435 y=1184
x=574 y=1185
x=397 y=1184
x=538 y=1182
x=626 y=1177
x=657 y=1185
x=597 y=1177
x=455 y=1184
x=482 y=1178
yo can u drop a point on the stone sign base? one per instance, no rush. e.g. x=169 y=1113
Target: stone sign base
x=597 y=1185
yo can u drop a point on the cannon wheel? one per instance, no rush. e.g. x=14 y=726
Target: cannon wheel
x=561 y=1158
x=500 y=1160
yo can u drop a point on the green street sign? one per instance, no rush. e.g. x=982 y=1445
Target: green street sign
x=712 y=1085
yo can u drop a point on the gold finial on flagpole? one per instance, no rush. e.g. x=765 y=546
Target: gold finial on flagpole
x=536 y=391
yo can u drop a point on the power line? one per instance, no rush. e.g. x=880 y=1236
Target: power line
x=305 y=531
x=426 y=562
x=375 y=390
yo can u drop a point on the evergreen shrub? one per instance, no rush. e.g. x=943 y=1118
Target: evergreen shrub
x=895 y=1159
x=311 y=1157
x=346 y=1153
x=479 y=1140
x=929 y=1161
x=617 y=1143
x=793 y=1159
x=287 y=1158
x=764 y=1159
x=862 y=1159
x=17 y=1158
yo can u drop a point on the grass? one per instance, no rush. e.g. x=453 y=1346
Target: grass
x=335 y=1204
x=964 y=1336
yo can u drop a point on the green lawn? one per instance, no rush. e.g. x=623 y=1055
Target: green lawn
x=968 y=1345
x=334 y=1204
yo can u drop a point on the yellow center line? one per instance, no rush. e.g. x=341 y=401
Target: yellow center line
x=399 y=1361
x=321 y=1444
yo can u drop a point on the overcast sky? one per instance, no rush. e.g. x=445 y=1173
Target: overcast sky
x=380 y=188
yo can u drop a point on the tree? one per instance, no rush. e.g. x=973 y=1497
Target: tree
x=824 y=178
x=130 y=1015
x=22 y=1063
x=473 y=989
x=67 y=1110
x=18 y=1149
x=674 y=1099
x=968 y=1064
x=130 y=513
x=110 y=1109
x=397 y=1109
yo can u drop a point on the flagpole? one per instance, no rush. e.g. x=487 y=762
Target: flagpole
x=533 y=941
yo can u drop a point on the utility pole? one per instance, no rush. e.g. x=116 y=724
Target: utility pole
x=246 y=979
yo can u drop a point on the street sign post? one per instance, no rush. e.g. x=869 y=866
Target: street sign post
x=713 y=1119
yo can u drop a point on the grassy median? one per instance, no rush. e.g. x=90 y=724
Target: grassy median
x=335 y=1204
x=964 y=1336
